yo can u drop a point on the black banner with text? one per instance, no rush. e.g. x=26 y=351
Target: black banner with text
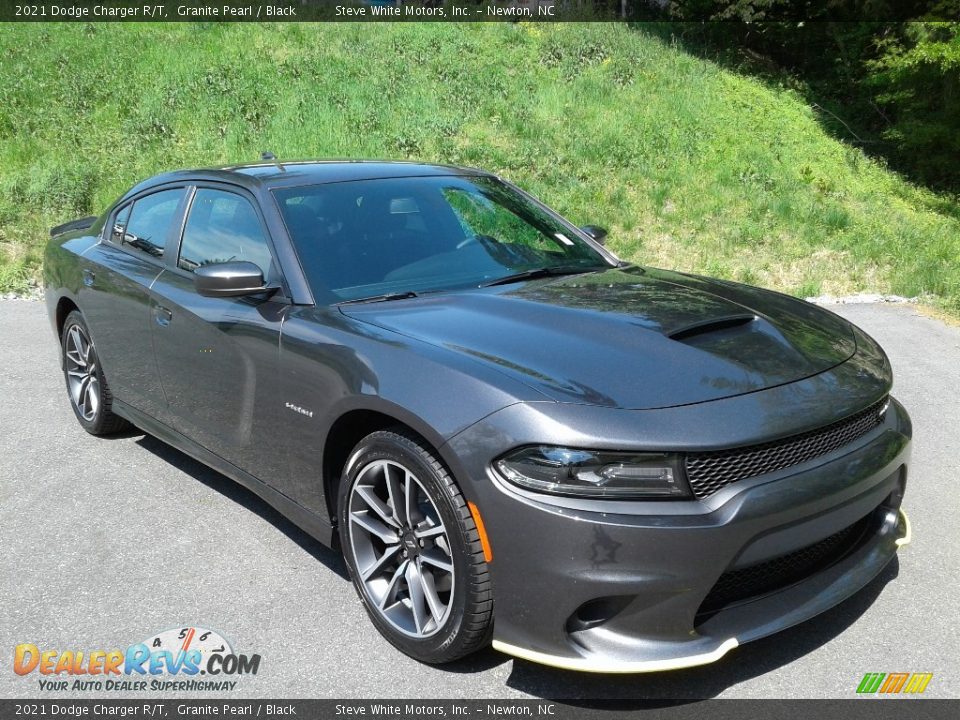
x=476 y=10
x=858 y=709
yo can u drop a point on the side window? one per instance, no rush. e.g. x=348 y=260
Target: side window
x=149 y=221
x=120 y=224
x=223 y=226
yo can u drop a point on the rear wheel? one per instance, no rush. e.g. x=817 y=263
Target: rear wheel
x=87 y=388
x=413 y=549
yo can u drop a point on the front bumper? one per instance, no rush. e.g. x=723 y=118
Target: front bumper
x=613 y=586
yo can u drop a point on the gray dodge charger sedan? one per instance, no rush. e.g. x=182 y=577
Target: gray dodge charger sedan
x=511 y=435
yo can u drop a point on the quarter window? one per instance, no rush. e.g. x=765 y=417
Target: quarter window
x=120 y=224
x=223 y=227
x=149 y=221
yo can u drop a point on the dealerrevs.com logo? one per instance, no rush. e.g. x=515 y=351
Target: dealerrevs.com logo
x=180 y=660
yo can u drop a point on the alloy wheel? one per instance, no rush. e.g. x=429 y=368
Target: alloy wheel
x=82 y=377
x=401 y=549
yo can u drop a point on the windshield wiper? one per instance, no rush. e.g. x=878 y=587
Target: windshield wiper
x=386 y=297
x=539 y=273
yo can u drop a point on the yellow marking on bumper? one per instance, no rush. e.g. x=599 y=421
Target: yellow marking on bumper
x=908 y=532
x=616 y=666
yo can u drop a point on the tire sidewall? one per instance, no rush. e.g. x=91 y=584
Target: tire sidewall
x=371 y=450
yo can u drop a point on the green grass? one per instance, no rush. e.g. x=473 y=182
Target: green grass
x=689 y=165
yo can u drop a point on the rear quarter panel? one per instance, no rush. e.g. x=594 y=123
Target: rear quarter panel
x=62 y=270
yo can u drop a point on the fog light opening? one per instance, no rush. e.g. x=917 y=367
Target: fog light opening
x=596 y=612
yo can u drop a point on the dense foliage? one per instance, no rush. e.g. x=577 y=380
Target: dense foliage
x=890 y=86
x=916 y=79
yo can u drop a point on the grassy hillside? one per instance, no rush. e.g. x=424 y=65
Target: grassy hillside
x=691 y=167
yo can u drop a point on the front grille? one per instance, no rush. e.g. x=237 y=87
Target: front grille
x=707 y=472
x=782 y=571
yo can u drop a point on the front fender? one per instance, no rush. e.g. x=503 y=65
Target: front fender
x=332 y=365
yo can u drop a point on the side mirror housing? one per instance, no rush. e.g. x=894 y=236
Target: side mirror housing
x=596 y=232
x=229 y=279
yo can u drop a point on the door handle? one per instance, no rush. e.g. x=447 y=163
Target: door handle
x=88 y=277
x=162 y=315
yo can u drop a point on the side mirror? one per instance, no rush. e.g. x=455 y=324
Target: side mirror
x=229 y=279
x=598 y=233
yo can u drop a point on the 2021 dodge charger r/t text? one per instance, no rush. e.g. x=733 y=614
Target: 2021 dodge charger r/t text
x=511 y=435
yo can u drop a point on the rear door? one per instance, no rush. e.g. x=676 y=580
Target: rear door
x=115 y=296
x=218 y=357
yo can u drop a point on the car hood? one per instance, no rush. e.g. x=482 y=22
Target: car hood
x=634 y=338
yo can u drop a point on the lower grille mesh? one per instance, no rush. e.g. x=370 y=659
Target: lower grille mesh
x=708 y=472
x=782 y=571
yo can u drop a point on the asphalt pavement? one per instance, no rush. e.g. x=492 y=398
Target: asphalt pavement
x=106 y=542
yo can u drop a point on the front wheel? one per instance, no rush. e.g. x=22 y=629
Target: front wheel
x=90 y=397
x=413 y=549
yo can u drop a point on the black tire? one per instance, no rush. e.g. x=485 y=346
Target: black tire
x=468 y=622
x=91 y=400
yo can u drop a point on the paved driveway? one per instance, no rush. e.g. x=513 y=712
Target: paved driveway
x=108 y=541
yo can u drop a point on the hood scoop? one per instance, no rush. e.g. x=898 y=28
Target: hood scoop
x=715 y=324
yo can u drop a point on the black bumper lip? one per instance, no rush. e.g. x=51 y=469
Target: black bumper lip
x=550 y=560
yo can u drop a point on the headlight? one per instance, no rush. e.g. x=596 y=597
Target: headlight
x=588 y=473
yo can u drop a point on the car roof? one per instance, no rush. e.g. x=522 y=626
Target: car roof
x=275 y=173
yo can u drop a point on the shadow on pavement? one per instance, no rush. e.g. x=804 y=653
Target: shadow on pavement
x=331 y=559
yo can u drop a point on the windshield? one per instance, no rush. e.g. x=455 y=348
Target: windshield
x=424 y=234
